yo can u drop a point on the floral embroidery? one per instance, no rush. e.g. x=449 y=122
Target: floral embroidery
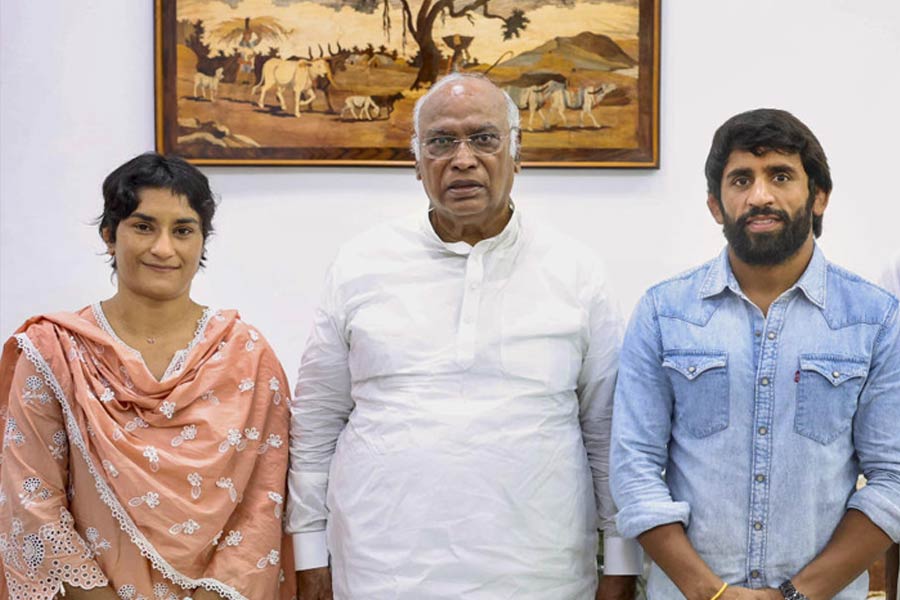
x=153 y=456
x=278 y=499
x=13 y=434
x=251 y=343
x=215 y=540
x=275 y=386
x=273 y=441
x=60 y=446
x=95 y=544
x=232 y=540
x=167 y=408
x=195 y=480
x=33 y=391
x=188 y=432
x=3 y=498
x=33 y=491
x=189 y=527
x=270 y=559
x=108 y=395
x=234 y=440
x=218 y=354
x=246 y=385
x=161 y=592
x=126 y=378
x=226 y=484
x=151 y=499
x=252 y=433
x=110 y=468
x=210 y=395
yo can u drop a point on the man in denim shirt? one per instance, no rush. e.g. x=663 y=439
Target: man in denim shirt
x=754 y=389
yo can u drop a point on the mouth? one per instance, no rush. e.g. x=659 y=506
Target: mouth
x=762 y=223
x=160 y=268
x=463 y=188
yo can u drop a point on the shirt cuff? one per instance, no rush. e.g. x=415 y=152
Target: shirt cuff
x=310 y=550
x=622 y=556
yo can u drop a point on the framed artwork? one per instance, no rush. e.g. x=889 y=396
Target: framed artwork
x=334 y=82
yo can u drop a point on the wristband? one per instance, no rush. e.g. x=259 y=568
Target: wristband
x=720 y=592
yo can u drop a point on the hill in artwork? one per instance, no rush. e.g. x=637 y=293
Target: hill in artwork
x=589 y=51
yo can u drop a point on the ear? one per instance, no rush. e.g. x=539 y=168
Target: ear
x=715 y=209
x=418 y=171
x=107 y=239
x=820 y=203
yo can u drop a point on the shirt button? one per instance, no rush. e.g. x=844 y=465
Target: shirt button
x=764 y=381
x=836 y=374
x=754 y=574
x=693 y=369
x=771 y=335
x=760 y=478
x=757 y=526
x=757 y=333
x=763 y=430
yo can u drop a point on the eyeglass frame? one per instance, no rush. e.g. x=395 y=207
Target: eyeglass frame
x=458 y=142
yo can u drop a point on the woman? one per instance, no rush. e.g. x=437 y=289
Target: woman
x=145 y=451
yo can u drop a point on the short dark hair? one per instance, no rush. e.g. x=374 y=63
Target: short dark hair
x=155 y=171
x=766 y=130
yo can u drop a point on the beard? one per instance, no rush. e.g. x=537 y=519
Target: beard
x=768 y=249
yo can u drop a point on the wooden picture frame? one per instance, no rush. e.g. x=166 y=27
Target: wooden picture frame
x=333 y=82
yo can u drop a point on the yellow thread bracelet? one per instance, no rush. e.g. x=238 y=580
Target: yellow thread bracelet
x=720 y=592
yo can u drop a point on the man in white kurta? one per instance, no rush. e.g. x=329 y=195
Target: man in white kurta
x=451 y=423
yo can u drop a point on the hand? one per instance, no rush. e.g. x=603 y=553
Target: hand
x=101 y=593
x=203 y=594
x=617 y=587
x=314 y=584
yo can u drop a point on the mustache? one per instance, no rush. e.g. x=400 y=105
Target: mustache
x=762 y=211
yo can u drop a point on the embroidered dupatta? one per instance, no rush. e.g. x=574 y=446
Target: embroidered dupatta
x=156 y=488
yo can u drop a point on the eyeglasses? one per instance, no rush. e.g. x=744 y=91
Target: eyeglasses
x=483 y=144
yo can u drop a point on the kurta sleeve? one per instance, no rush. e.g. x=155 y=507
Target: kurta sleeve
x=596 y=386
x=39 y=545
x=320 y=409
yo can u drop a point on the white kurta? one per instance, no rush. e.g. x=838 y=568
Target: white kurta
x=455 y=403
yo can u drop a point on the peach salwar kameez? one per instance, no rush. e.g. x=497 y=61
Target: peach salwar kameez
x=155 y=488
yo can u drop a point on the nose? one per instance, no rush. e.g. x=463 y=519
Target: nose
x=463 y=157
x=760 y=193
x=162 y=245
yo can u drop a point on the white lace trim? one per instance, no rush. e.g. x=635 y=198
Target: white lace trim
x=106 y=495
x=178 y=359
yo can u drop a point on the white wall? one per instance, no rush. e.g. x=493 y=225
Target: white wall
x=76 y=100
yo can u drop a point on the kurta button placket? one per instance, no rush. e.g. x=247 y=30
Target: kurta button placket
x=465 y=348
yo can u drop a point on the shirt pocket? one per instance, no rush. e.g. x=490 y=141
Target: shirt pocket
x=826 y=395
x=700 y=382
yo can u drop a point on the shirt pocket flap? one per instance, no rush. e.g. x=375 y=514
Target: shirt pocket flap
x=836 y=369
x=692 y=364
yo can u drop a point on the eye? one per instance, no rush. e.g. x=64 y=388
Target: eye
x=443 y=141
x=485 y=140
x=184 y=231
x=741 y=181
x=143 y=227
x=781 y=177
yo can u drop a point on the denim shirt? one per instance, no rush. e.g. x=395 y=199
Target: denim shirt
x=751 y=430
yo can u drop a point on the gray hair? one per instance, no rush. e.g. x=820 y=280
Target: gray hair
x=512 y=111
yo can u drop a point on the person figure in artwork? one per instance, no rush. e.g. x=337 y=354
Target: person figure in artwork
x=451 y=422
x=145 y=449
x=246 y=51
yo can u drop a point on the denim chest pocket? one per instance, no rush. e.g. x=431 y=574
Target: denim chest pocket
x=827 y=393
x=700 y=382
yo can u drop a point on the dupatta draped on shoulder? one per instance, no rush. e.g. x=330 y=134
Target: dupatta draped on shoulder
x=111 y=477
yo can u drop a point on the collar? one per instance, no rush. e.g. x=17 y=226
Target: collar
x=505 y=239
x=811 y=283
